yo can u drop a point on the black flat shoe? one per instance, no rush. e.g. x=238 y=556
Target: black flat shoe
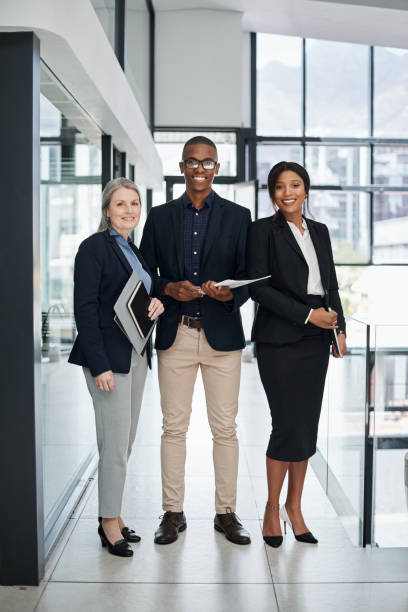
x=120 y=548
x=274 y=541
x=128 y=534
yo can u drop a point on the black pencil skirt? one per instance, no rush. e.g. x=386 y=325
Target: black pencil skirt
x=293 y=376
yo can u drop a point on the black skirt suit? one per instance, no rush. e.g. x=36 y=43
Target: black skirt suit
x=292 y=356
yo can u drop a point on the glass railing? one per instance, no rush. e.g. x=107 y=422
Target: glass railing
x=389 y=435
x=362 y=458
x=341 y=443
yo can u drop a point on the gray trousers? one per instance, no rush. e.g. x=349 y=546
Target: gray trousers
x=116 y=418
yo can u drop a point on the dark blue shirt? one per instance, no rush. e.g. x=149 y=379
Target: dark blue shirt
x=195 y=228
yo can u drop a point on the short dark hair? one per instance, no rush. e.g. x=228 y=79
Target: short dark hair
x=280 y=167
x=199 y=140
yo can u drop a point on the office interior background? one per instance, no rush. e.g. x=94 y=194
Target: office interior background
x=92 y=90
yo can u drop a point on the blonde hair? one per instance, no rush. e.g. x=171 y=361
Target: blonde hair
x=107 y=194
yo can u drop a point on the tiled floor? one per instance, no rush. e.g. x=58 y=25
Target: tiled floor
x=202 y=571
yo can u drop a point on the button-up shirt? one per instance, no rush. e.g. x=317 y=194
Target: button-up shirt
x=195 y=228
x=125 y=246
x=314 y=281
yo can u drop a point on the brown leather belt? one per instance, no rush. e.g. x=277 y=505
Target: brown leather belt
x=193 y=322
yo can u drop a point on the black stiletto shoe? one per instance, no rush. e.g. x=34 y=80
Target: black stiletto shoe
x=128 y=534
x=120 y=548
x=274 y=541
x=307 y=538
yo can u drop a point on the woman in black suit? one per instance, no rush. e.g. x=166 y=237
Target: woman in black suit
x=114 y=372
x=299 y=306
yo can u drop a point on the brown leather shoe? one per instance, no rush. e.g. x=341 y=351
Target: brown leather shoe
x=172 y=523
x=230 y=525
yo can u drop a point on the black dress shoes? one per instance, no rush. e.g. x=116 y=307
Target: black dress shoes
x=230 y=525
x=171 y=525
x=128 y=534
x=120 y=548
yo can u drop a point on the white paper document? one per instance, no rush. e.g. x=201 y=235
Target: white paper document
x=233 y=284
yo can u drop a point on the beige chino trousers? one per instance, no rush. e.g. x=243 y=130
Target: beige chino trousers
x=220 y=370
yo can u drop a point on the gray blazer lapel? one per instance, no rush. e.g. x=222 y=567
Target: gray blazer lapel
x=177 y=216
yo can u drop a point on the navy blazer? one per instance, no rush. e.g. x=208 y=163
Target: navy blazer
x=101 y=272
x=223 y=257
x=283 y=306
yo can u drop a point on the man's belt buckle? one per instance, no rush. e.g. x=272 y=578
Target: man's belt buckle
x=189 y=319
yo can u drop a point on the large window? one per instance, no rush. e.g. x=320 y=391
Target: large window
x=279 y=85
x=70 y=211
x=390 y=92
x=341 y=109
x=337 y=89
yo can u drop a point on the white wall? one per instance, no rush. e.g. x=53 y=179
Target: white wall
x=76 y=49
x=199 y=68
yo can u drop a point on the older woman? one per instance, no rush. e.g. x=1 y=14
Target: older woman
x=299 y=306
x=114 y=372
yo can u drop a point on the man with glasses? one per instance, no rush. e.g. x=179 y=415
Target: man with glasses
x=190 y=244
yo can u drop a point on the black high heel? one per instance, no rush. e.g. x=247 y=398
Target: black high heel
x=274 y=541
x=120 y=548
x=307 y=538
x=128 y=534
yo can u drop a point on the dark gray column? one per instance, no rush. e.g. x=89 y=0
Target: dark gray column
x=123 y=165
x=107 y=159
x=21 y=487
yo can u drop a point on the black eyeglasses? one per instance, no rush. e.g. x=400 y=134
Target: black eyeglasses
x=192 y=164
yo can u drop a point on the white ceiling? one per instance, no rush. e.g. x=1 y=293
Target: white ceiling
x=359 y=21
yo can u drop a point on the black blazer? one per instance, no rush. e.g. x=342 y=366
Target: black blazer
x=223 y=257
x=283 y=308
x=101 y=271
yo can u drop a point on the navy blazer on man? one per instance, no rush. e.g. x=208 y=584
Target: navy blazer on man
x=283 y=306
x=101 y=272
x=223 y=257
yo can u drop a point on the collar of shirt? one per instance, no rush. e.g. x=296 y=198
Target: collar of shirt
x=207 y=203
x=113 y=232
x=295 y=228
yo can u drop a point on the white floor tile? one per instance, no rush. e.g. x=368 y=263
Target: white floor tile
x=158 y=597
x=19 y=599
x=142 y=498
x=334 y=559
x=340 y=597
x=199 y=555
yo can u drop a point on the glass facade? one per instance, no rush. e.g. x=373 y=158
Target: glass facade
x=337 y=89
x=279 y=85
x=105 y=11
x=134 y=34
x=70 y=210
x=349 y=96
x=267 y=155
x=390 y=92
x=170 y=147
x=137 y=52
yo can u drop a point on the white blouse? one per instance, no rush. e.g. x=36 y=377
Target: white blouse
x=314 y=281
